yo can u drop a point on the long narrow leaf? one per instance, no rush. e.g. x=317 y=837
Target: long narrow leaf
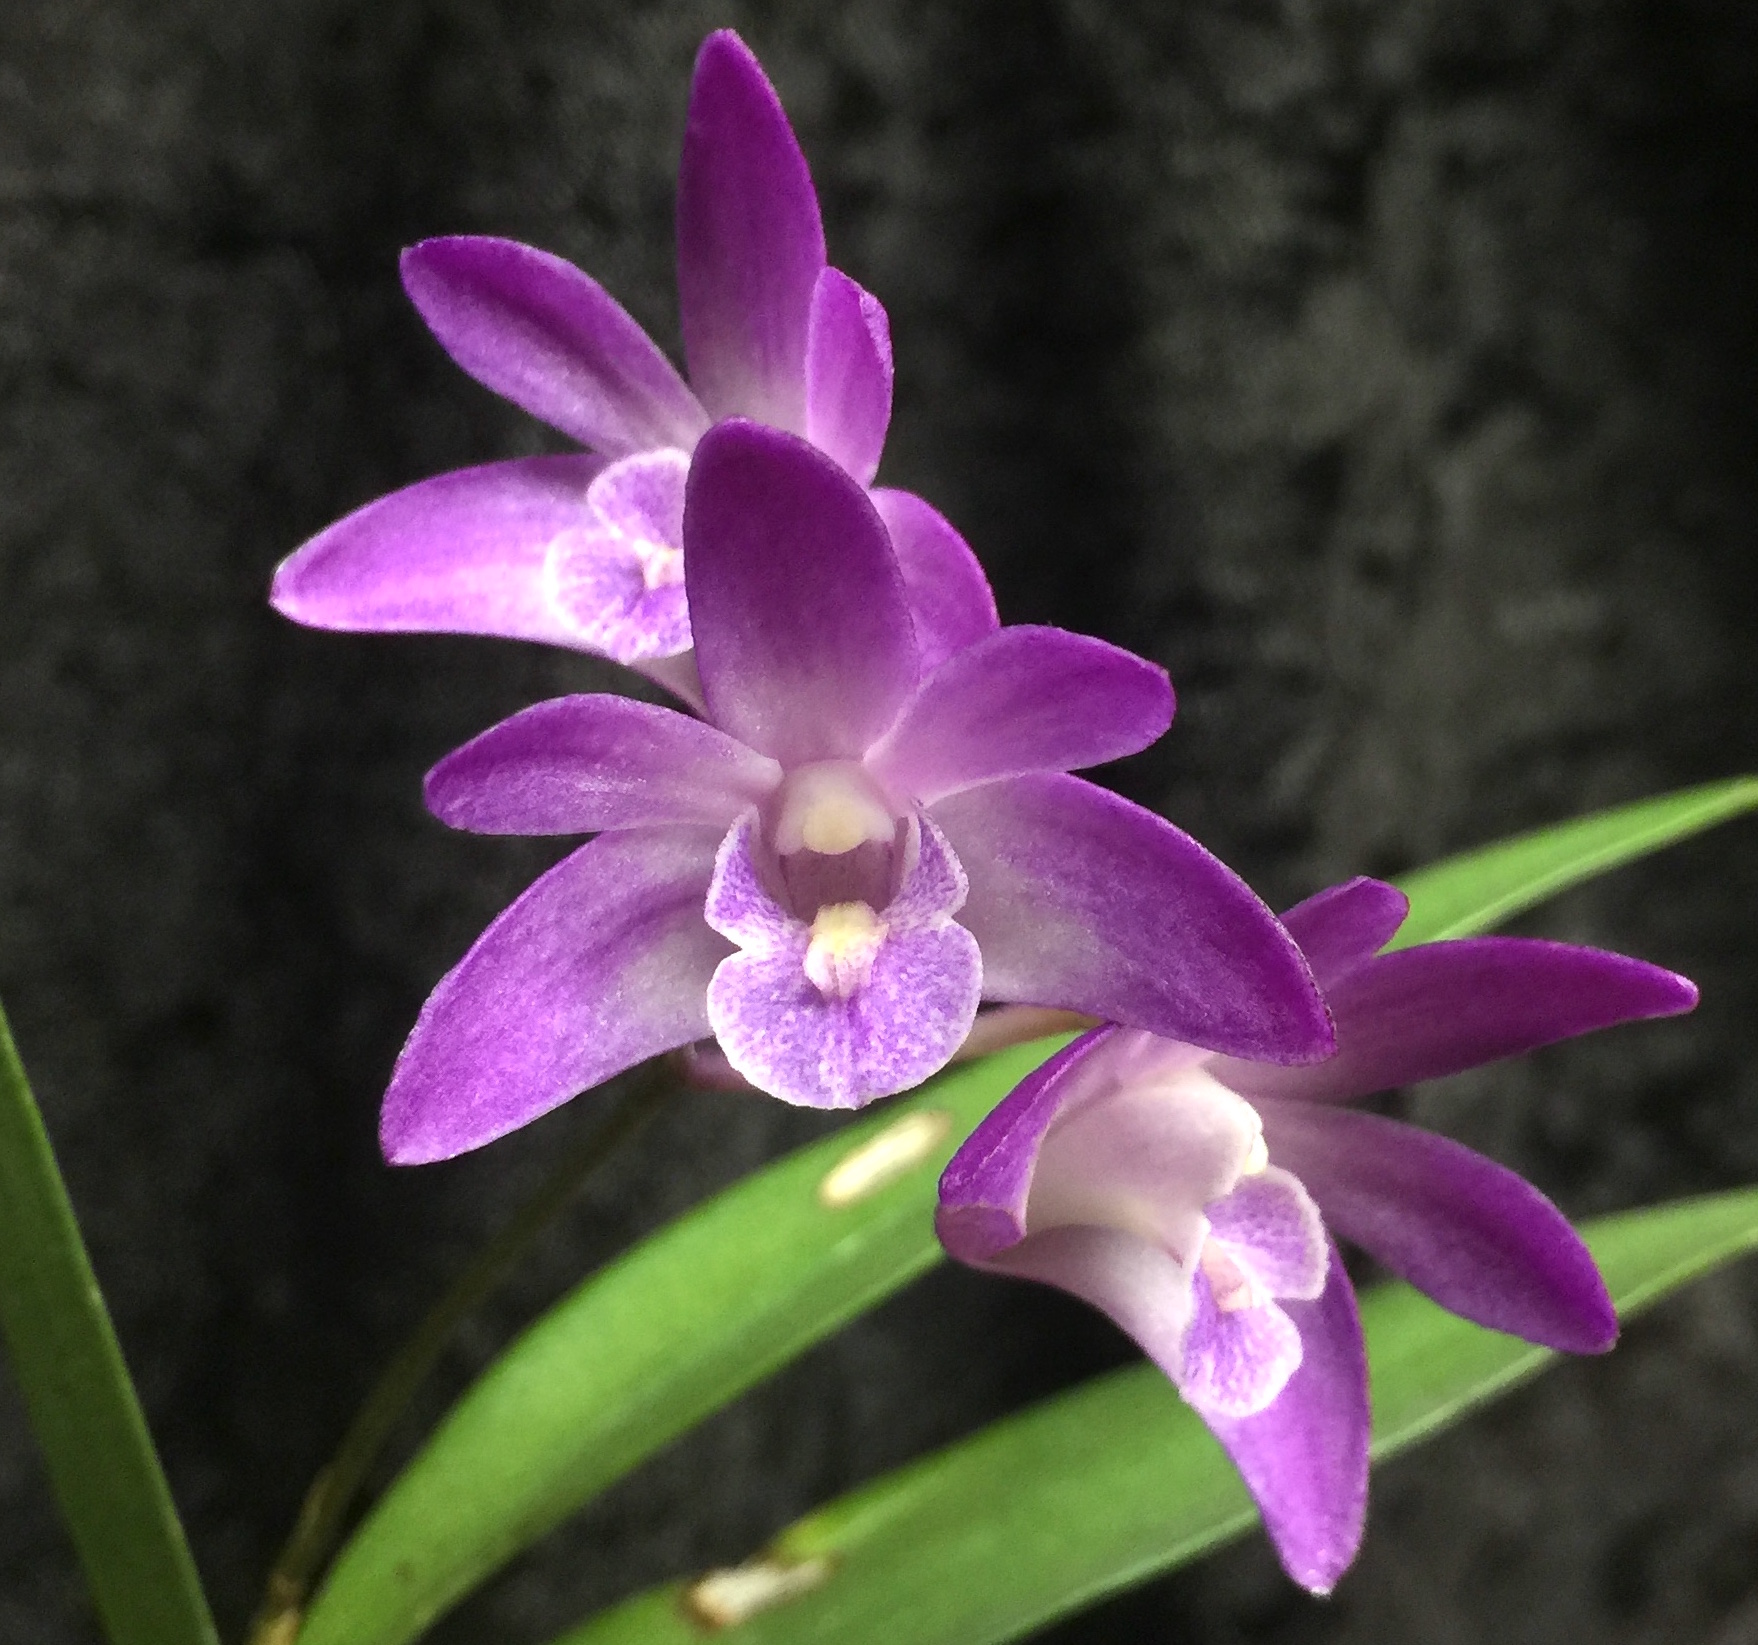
x=1117 y=1481
x=650 y=1346
x=80 y=1399
x=1480 y=889
x=707 y=1307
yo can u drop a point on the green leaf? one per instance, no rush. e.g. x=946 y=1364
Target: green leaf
x=1481 y=889
x=80 y=1400
x=648 y=1347
x=1114 y=1482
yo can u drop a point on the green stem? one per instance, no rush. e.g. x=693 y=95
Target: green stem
x=79 y=1396
x=337 y=1484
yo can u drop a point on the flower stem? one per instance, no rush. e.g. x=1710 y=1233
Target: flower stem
x=333 y=1491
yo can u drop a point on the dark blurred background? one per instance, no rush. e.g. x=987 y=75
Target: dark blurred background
x=1385 y=368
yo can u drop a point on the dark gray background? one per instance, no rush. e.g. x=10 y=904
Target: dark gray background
x=1384 y=369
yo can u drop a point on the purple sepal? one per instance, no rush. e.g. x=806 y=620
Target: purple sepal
x=1022 y=700
x=848 y=374
x=598 y=966
x=910 y=1009
x=542 y=334
x=574 y=765
x=1438 y=1008
x=1304 y=1458
x=1344 y=926
x=1483 y=1242
x=949 y=598
x=1081 y=900
x=462 y=553
x=803 y=640
x=750 y=242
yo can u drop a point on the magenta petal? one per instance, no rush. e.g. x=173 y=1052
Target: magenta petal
x=848 y=374
x=1418 y=1013
x=1022 y=700
x=1304 y=1458
x=904 y=1021
x=803 y=640
x=602 y=963
x=1481 y=1241
x=750 y=242
x=462 y=553
x=540 y=333
x=574 y=765
x=1234 y=1364
x=1081 y=900
x=949 y=597
x=1344 y=926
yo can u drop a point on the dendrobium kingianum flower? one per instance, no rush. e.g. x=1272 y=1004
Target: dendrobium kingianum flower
x=586 y=551
x=830 y=869
x=1188 y=1195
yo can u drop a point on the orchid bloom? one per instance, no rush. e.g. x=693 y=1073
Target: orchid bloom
x=850 y=850
x=1188 y=1195
x=585 y=551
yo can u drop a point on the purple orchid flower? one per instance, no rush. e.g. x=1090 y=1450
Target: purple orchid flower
x=1188 y=1195
x=585 y=551
x=851 y=850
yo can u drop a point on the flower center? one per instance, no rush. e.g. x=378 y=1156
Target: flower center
x=1234 y=1289
x=662 y=566
x=830 y=808
x=846 y=939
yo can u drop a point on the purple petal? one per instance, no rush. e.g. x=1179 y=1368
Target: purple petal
x=1081 y=900
x=1269 y=1225
x=802 y=637
x=602 y=963
x=949 y=597
x=574 y=765
x=750 y=242
x=1022 y=700
x=540 y=333
x=909 y=1013
x=1235 y=1362
x=1305 y=1458
x=1418 y=1013
x=1343 y=927
x=1480 y=1240
x=462 y=553
x=848 y=374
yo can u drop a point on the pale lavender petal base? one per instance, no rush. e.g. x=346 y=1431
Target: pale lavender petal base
x=574 y=765
x=1081 y=900
x=1483 y=1242
x=848 y=374
x=1304 y=1459
x=803 y=639
x=462 y=553
x=1022 y=700
x=949 y=598
x=750 y=242
x=549 y=338
x=1271 y=1225
x=1234 y=1364
x=602 y=963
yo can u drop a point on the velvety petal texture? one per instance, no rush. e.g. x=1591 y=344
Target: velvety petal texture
x=602 y=963
x=1082 y=900
x=859 y=1004
x=574 y=765
x=803 y=639
x=542 y=334
x=1019 y=701
x=462 y=553
x=1442 y=1007
x=950 y=602
x=1342 y=928
x=848 y=374
x=1483 y=1242
x=750 y=242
